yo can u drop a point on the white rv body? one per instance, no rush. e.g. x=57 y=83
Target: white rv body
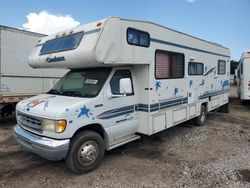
x=155 y=103
x=243 y=76
x=18 y=80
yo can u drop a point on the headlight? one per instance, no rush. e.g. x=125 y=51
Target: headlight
x=55 y=126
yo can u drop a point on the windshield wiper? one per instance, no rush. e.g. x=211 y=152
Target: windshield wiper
x=54 y=91
x=68 y=93
x=72 y=93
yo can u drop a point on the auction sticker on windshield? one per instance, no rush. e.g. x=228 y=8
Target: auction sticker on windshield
x=91 y=81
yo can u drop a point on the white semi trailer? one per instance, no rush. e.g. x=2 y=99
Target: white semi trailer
x=127 y=78
x=243 y=77
x=18 y=80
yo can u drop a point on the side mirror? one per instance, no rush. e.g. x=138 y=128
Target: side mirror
x=126 y=86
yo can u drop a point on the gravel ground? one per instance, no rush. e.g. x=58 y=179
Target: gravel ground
x=215 y=155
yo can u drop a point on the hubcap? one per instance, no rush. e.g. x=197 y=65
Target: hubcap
x=88 y=153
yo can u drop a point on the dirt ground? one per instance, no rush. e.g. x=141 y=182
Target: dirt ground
x=215 y=155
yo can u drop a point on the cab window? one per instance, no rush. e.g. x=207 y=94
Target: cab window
x=115 y=81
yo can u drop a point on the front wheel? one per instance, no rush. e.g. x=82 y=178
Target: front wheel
x=202 y=118
x=85 y=153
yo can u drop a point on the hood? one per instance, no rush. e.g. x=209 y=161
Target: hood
x=51 y=106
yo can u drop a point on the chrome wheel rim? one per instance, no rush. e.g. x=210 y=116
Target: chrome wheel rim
x=88 y=153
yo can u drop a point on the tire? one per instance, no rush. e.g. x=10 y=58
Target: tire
x=243 y=102
x=85 y=153
x=202 y=118
x=226 y=108
x=239 y=95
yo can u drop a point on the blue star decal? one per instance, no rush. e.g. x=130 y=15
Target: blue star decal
x=190 y=83
x=202 y=83
x=157 y=85
x=176 y=90
x=84 y=112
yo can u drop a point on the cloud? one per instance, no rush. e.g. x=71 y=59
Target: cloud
x=190 y=1
x=44 y=22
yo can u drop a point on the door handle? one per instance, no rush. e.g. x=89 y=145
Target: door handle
x=136 y=107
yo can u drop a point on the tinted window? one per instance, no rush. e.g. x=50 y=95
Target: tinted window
x=65 y=43
x=221 y=67
x=137 y=37
x=169 y=65
x=177 y=65
x=195 y=68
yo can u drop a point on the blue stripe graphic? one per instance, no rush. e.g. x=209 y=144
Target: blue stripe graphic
x=185 y=47
x=92 y=31
x=153 y=107
x=116 y=112
x=212 y=94
x=166 y=104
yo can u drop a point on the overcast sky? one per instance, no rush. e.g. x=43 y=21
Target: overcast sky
x=226 y=22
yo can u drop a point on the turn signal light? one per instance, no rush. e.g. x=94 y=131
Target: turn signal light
x=60 y=126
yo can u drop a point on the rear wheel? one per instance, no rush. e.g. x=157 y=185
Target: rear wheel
x=202 y=118
x=85 y=153
x=226 y=108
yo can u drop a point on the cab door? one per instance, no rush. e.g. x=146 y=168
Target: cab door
x=120 y=114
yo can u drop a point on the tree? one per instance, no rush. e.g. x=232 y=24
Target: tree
x=233 y=66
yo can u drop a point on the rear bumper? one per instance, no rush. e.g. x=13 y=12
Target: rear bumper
x=47 y=148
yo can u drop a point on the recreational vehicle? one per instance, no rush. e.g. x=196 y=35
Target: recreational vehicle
x=243 y=77
x=128 y=78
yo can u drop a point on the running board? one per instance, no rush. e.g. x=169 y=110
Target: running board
x=123 y=140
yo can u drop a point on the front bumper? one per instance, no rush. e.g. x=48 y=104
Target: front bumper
x=47 y=148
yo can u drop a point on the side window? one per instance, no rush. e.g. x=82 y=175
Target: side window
x=115 y=80
x=138 y=38
x=195 y=68
x=169 y=65
x=162 y=65
x=221 y=67
x=69 y=42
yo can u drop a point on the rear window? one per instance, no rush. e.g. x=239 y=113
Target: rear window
x=65 y=43
x=195 y=68
x=221 y=67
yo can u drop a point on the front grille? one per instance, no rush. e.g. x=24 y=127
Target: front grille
x=29 y=122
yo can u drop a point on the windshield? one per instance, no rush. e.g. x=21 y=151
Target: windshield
x=65 y=43
x=81 y=83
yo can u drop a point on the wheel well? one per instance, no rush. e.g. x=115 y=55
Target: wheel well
x=205 y=104
x=7 y=109
x=95 y=128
